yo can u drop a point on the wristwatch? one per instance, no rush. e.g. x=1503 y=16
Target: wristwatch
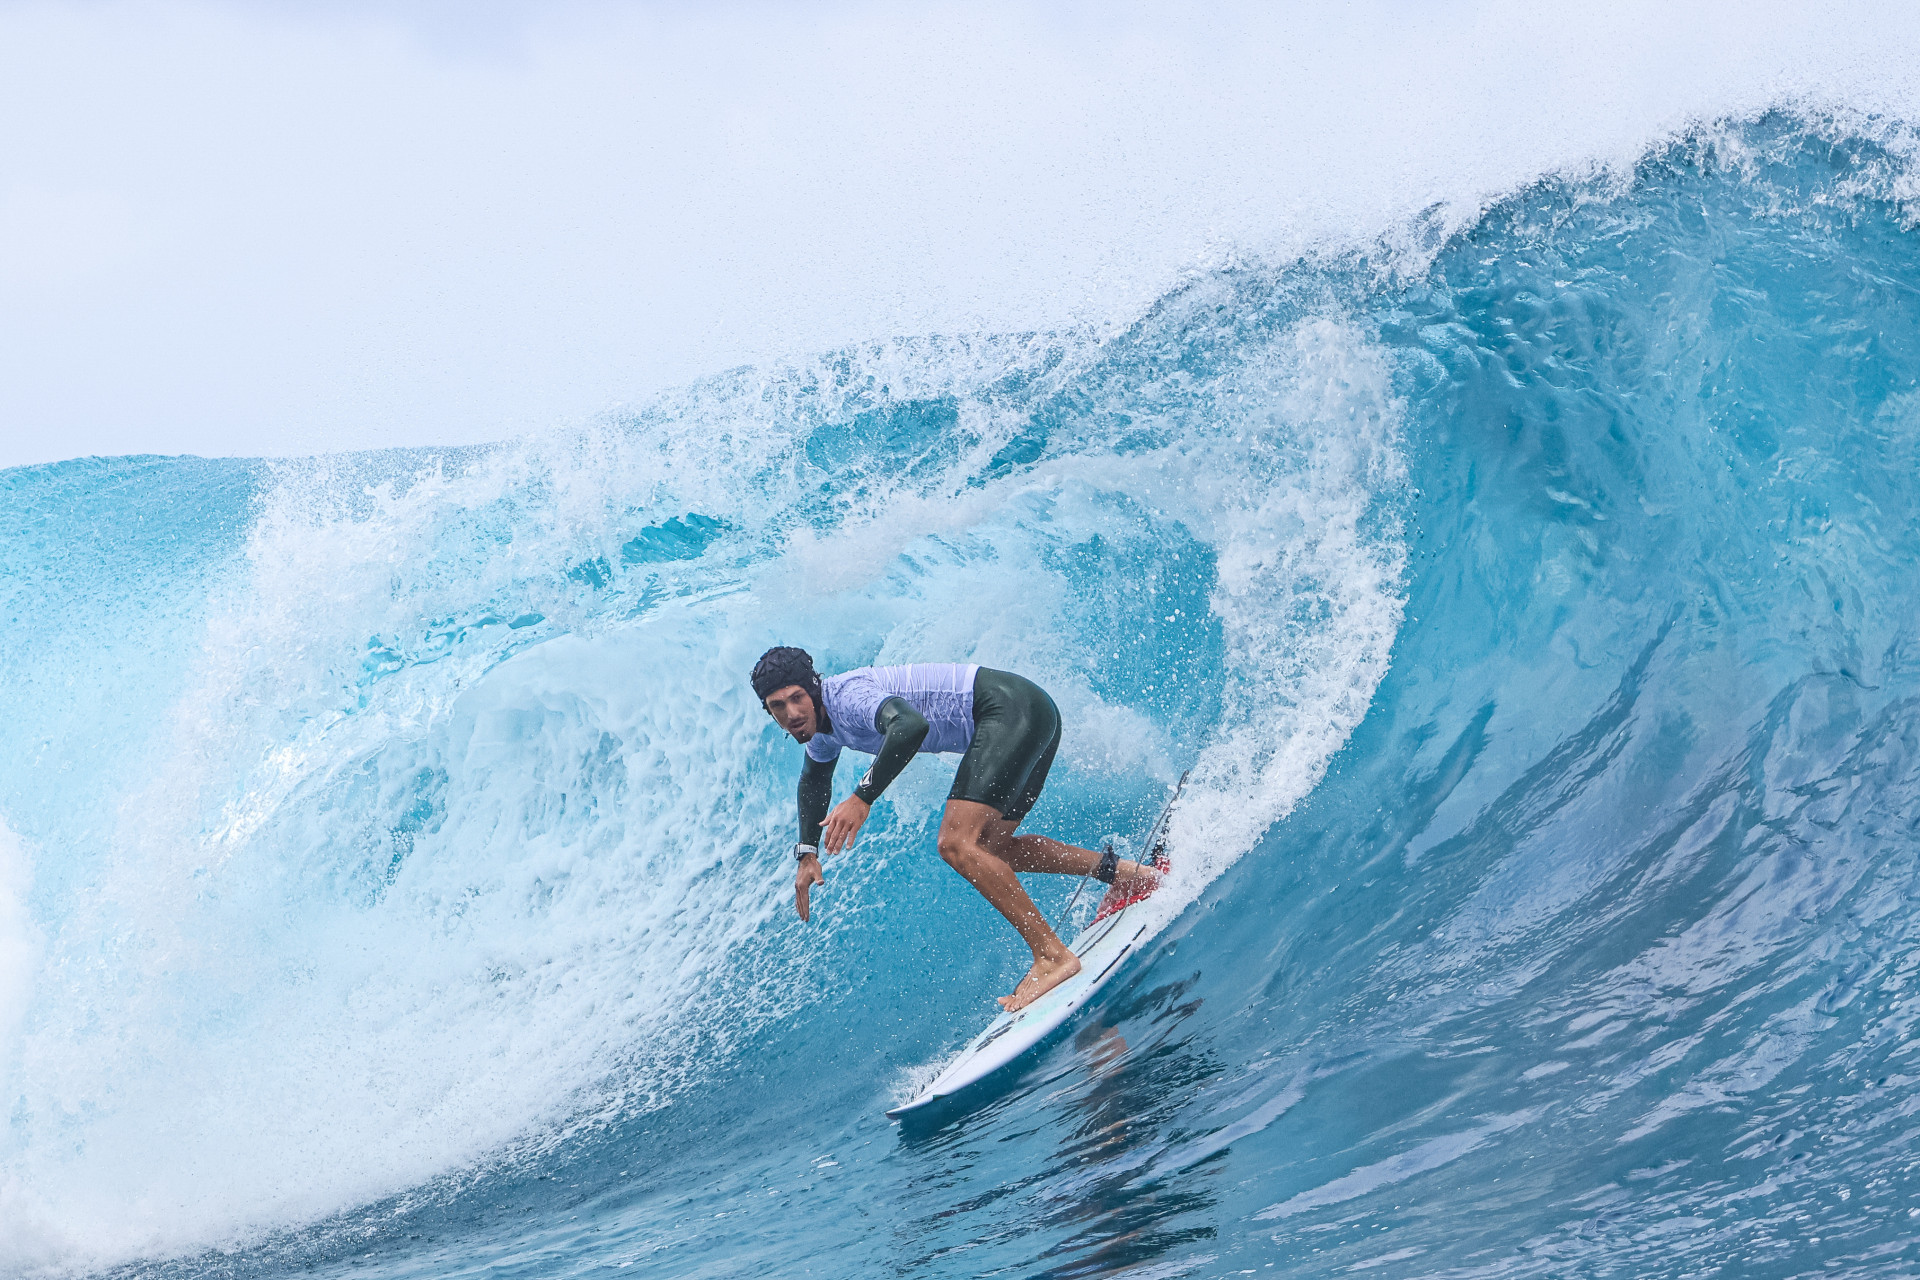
x=802 y=850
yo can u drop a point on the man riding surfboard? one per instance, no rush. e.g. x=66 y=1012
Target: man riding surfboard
x=1006 y=728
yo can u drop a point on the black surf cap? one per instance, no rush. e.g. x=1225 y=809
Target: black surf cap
x=781 y=666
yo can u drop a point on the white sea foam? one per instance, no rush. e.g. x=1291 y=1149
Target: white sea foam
x=19 y=947
x=1309 y=593
x=30 y=1239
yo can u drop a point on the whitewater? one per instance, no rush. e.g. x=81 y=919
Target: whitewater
x=394 y=865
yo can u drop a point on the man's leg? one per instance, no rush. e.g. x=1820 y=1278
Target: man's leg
x=1016 y=734
x=1044 y=854
x=964 y=847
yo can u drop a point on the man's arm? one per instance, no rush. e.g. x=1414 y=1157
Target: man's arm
x=816 y=797
x=905 y=730
x=816 y=793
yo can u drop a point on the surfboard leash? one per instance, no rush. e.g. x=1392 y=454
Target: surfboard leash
x=1075 y=899
x=1156 y=837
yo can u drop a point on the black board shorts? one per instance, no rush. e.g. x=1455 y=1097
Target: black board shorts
x=1016 y=730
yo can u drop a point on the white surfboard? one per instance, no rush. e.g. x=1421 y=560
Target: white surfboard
x=1101 y=946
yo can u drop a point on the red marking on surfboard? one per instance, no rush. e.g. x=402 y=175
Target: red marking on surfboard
x=1117 y=901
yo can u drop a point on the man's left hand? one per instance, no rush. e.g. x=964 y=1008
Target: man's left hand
x=843 y=824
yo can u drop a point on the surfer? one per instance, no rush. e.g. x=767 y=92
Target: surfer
x=1007 y=729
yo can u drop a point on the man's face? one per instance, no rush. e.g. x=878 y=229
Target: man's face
x=792 y=710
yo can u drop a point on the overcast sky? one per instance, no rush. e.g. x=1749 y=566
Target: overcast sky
x=234 y=228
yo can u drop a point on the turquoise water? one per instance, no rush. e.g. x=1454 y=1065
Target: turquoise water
x=394 y=879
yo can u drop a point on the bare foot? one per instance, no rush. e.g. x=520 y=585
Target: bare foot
x=1045 y=975
x=1132 y=882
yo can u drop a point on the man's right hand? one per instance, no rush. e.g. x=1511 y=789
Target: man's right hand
x=803 y=881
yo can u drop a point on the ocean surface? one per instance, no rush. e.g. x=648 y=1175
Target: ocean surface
x=394 y=865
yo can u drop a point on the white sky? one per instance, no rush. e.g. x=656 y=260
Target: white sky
x=286 y=228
